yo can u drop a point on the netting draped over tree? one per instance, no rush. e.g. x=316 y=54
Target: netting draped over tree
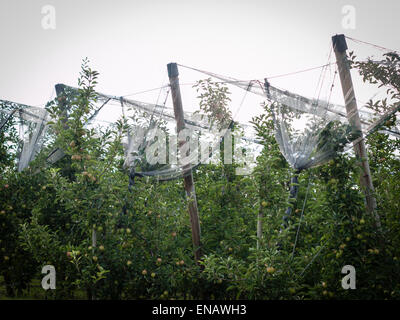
x=32 y=129
x=145 y=155
x=309 y=131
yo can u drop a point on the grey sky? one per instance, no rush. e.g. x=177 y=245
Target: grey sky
x=130 y=42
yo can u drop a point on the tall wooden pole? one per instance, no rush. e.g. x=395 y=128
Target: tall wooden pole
x=188 y=183
x=340 y=47
x=61 y=100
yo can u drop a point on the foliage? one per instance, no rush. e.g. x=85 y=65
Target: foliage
x=114 y=243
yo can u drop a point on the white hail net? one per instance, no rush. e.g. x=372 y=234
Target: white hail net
x=143 y=119
x=309 y=131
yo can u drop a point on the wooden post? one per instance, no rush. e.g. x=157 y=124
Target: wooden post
x=173 y=75
x=61 y=98
x=340 y=47
x=57 y=154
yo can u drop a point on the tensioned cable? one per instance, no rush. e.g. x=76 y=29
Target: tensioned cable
x=375 y=125
x=144 y=91
x=280 y=91
x=151 y=123
x=301 y=71
x=156 y=104
x=165 y=102
x=312 y=260
x=7 y=119
x=324 y=71
x=371 y=44
x=97 y=111
x=149 y=109
x=320 y=83
x=271 y=77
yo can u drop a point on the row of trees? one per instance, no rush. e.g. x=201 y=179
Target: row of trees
x=143 y=247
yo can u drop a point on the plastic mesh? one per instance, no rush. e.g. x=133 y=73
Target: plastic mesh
x=310 y=132
x=145 y=120
x=32 y=128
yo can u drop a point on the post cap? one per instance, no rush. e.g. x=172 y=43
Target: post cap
x=59 y=88
x=172 y=70
x=339 y=43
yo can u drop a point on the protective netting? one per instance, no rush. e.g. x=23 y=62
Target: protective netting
x=32 y=129
x=150 y=143
x=309 y=131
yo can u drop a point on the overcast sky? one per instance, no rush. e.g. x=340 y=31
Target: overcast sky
x=130 y=42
